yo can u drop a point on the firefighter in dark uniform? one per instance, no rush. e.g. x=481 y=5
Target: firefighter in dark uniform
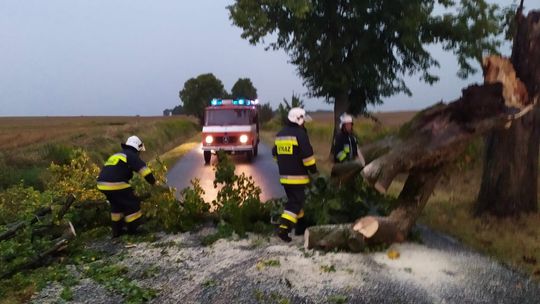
x=296 y=161
x=345 y=144
x=113 y=181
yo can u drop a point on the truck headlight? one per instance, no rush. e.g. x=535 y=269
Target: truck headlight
x=209 y=139
x=243 y=138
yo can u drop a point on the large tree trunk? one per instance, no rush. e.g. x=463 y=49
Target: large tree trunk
x=509 y=180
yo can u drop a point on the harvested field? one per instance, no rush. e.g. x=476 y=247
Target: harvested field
x=25 y=132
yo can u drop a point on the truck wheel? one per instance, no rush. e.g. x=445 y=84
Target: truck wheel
x=249 y=155
x=207 y=156
x=256 y=150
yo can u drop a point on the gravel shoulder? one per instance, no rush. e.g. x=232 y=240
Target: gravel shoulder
x=261 y=269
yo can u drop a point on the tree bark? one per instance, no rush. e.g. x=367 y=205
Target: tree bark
x=330 y=237
x=510 y=173
x=412 y=199
x=439 y=134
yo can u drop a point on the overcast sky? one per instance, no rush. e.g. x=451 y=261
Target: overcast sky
x=131 y=57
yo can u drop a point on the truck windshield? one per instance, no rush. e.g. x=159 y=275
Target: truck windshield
x=225 y=117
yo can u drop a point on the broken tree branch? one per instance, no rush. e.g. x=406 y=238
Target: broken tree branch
x=15 y=227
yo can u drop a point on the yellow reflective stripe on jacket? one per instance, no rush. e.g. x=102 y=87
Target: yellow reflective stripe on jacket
x=347 y=149
x=145 y=171
x=112 y=186
x=341 y=155
x=309 y=161
x=116 y=217
x=130 y=218
x=294 y=179
x=289 y=216
x=286 y=140
x=115 y=158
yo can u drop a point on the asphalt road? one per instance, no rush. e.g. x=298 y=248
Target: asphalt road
x=263 y=169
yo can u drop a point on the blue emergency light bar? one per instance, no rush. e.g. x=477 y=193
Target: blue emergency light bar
x=241 y=102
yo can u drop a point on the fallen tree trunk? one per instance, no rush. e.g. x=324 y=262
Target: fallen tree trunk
x=439 y=134
x=426 y=145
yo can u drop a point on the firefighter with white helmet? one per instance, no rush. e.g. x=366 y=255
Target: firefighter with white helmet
x=113 y=181
x=345 y=143
x=296 y=161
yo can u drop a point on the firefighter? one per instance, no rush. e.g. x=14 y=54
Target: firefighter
x=113 y=181
x=296 y=161
x=345 y=144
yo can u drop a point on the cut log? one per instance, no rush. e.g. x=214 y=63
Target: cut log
x=330 y=237
x=367 y=226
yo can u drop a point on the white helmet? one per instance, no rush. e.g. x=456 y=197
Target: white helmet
x=135 y=142
x=298 y=116
x=345 y=118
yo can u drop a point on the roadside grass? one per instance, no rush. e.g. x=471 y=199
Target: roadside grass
x=170 y=157
x=512 y=241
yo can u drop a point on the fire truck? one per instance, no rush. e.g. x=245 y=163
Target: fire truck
x=231 y=125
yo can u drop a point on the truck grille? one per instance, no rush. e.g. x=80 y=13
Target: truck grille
x=226 y=140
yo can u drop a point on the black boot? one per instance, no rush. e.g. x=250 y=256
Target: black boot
x=285 y=227
x=117 y=227
x=300 y=227
x=134 y=227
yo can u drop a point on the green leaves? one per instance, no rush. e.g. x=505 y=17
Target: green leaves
x=243 y=88
x=238 y=201
x=327 y=204
x=364 y=48
x=198 y=92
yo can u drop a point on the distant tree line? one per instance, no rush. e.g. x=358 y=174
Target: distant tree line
x=199 y=91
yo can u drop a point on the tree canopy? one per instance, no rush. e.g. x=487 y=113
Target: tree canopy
x=354 y=52
x=198 y=92
x=243 y=88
